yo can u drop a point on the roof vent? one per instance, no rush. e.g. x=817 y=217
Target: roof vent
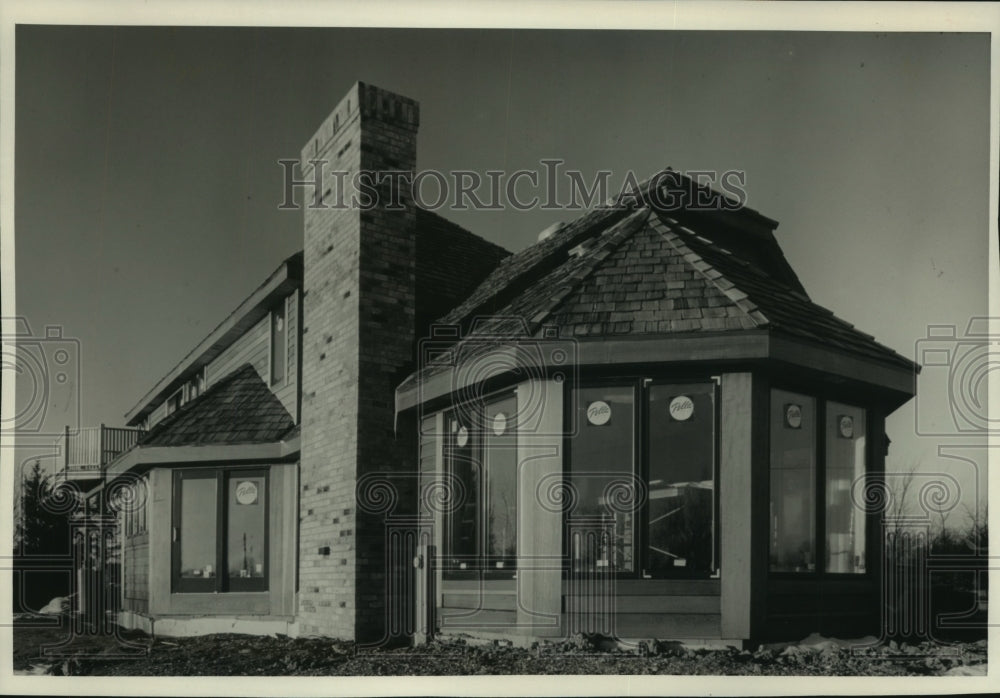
x=551 y=230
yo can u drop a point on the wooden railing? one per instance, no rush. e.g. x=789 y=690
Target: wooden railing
x=88 y=450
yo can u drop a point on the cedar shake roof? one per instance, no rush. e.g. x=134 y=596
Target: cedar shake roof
x=239 y=409
x=629 y=269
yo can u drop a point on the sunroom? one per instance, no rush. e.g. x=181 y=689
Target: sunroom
x=654 y=434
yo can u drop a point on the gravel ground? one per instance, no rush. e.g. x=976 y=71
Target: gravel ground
x=243 y=655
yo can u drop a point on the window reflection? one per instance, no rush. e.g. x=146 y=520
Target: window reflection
x=793 y=482
x=461 y=529
x=199 y=503
x=602 y=459
x=681 y=478
x=500 y=456
x=245 y=527
x=845 y=463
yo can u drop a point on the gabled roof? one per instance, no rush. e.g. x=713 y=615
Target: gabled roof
x=630 y=269
x=239 y=409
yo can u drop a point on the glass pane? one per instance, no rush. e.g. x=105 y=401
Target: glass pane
x=278 y=343
x=681 y=477
x=845 y=463
x=602 y=465
x=245 y=526
x=793 y=482
x=461 y=531
x=501 y=483
x=199 y=502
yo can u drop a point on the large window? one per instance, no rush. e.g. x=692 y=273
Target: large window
x=500 y=457
x=480 y=453
x=817 y=455
x=845 y=463
x=680 y=524
x=641 y=467
x=793 y=482
x=220 y=530
x=463 y=470
x=602 y=465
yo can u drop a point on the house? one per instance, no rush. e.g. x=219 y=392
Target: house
x=640 y=425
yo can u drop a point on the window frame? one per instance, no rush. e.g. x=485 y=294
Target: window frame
x=221 y=583
x=641 y=382
x=179 y=394
x=822 y=398
x=680 y=573
x=279 y=308
x=479 y=564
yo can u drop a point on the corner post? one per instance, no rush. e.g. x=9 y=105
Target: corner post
x=743 y=493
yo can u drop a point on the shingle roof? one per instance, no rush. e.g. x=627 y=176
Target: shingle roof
x=632 y=270
x=239 y=409
x=775 y=305
x=519 y=271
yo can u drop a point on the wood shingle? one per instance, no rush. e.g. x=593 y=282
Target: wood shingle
x=239 y=409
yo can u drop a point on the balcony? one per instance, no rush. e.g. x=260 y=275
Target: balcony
x=86 y=452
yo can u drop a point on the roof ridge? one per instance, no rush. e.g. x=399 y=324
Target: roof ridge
x=608 y=241
x=710 y=273
x=577 y=230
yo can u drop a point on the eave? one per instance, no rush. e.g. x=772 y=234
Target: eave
x=141 y=458
x=762 y=348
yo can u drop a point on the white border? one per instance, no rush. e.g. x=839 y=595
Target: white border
x=597 y=14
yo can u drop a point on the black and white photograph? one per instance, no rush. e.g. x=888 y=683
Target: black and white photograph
x=570 y=348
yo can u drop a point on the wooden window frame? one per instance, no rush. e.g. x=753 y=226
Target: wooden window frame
x=221 y=582
x=641 y=382
x=480 y=566
x=819 y=513
x=282 y=308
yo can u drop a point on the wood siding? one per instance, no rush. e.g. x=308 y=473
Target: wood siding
x=254 y=347
x=288 y=391
x=431 y=466
x=158 y=414
x=675 y=609
x=471 y=605
x=838 y=607
x=135 y=573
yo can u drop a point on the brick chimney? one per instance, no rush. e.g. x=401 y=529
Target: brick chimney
x=358 y=337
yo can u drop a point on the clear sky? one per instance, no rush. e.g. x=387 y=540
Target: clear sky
x=147 y=184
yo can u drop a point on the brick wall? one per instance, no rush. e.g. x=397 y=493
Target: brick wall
x=358 y=310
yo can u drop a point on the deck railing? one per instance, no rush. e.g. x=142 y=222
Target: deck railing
x=89 y=449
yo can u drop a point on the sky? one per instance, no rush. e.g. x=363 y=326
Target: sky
x=147 y=183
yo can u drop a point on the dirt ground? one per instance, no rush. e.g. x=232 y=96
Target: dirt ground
x=242 y=655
